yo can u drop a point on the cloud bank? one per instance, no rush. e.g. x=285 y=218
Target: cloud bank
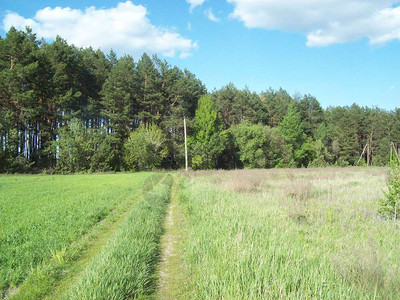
x=324 y=22
x=124 y=28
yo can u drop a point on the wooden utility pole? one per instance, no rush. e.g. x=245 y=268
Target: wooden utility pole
x=186 y=155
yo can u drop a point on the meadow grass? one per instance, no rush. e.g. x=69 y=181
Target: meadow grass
x=245 y=234
x=288 y=234
x=40 y=216
x=125 y=268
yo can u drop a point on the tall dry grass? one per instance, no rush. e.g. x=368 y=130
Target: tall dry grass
x=289 y=234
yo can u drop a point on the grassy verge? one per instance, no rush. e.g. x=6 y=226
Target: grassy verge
x=125 y=268
x=288 y=235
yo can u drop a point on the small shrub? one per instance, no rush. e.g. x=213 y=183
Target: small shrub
x=389 y=207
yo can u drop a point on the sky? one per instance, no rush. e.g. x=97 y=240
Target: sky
x=340 y=51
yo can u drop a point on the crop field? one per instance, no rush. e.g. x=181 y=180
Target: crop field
x=40 y=216
x=243 y=234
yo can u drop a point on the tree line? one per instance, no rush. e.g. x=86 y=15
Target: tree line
x=68 y=109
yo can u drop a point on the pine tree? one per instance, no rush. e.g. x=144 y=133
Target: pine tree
x=151 y=103
x=19 y=109
x=291 y=128
x=276 y=103
x=311 y=114
x=117 y=101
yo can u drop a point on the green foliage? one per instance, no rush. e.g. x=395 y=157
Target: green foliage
x=389 y=207
x=46 y=85
x=197 y=162
x=297 y=142
x=305 y=154
x=79 y=149
x=344 y=127
x=145 y=148
x=260 y=146
x=236 y=105
x=321 y=133
x=276 y=103
x=148 y=91
x=291 y=128
x=251 y=141
x=208 y=141
x=311 y=114
x=321 y=158
x=12 y=164
x=105 y=156
x=74 y=147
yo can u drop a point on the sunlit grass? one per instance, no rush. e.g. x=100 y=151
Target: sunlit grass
x=289 y=234
x=125 y=268
x=41 y=215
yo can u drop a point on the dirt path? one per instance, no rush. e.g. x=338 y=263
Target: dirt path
x=171 y=278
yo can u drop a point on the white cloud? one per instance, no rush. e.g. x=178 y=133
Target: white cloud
x=124 y=28
x=324 y=22
x=185 y=54
x=194 y=4
x=210 y=15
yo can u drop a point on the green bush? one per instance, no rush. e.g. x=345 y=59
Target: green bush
x=389 y=207
x=145 y=148
x=80 y=149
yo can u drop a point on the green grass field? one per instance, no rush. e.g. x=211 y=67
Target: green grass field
x=40 y=216
x=246 y=234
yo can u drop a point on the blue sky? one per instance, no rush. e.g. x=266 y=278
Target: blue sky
x=341 y=51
